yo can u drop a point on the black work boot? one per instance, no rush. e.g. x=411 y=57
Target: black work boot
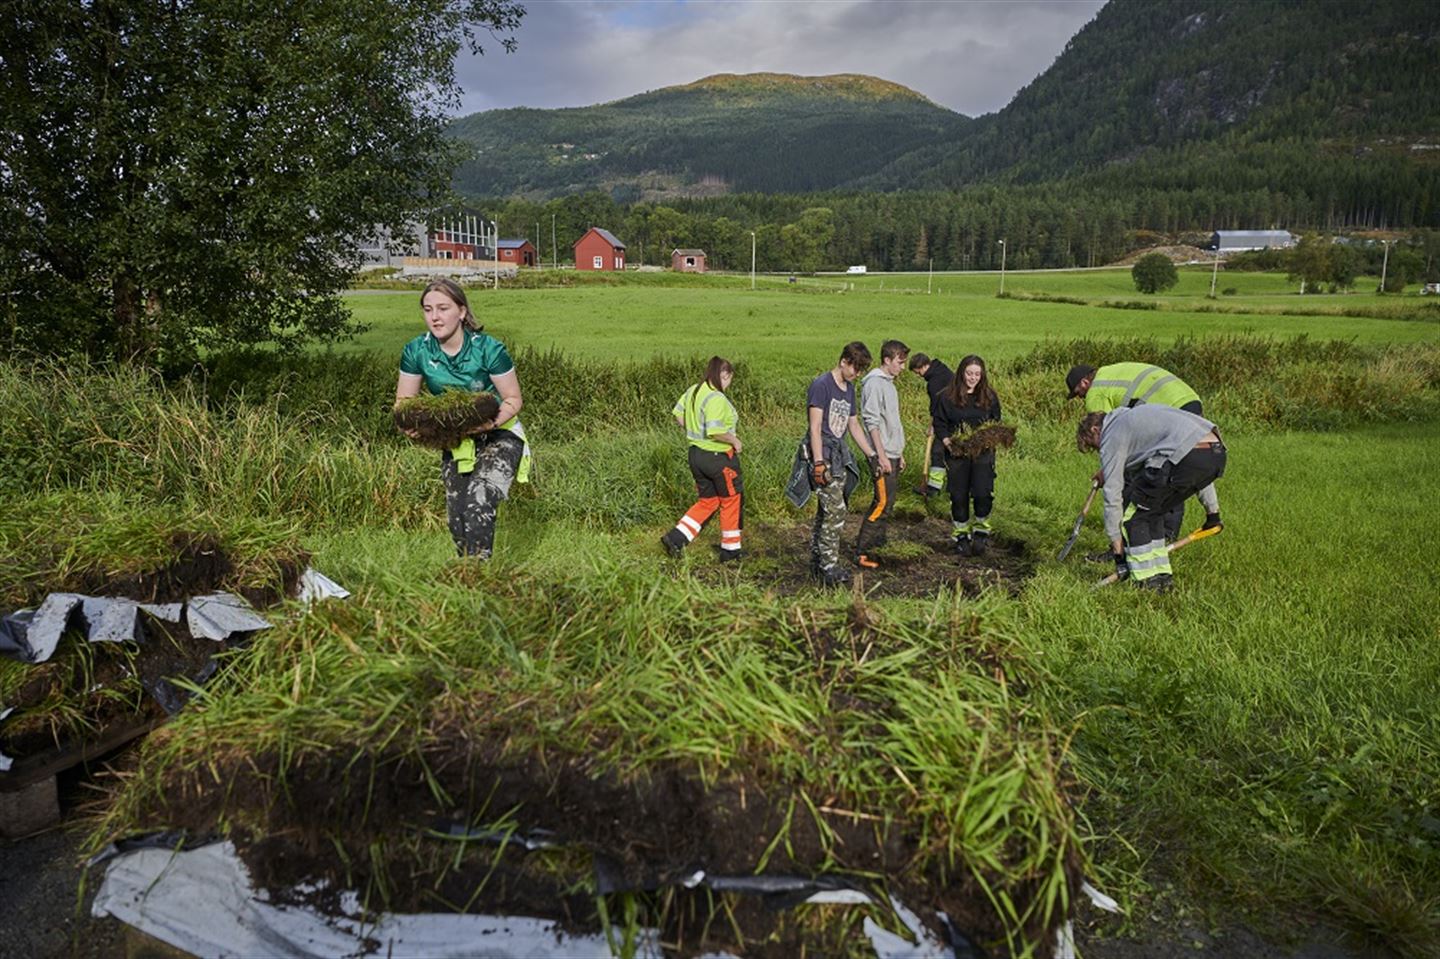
x=1159 y=583
x=962 y=544
x=979 y=543
x=731 y=555
x=834 y=576
x=674 y=542
x=1100 y=556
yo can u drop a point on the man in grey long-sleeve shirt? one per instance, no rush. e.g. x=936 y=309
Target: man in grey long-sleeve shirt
x=880 y=415
x=1151 y=458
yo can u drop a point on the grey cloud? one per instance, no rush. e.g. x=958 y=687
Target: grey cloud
x=969 y=56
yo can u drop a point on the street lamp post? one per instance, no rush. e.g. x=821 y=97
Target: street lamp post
x=1215 y=272
x=752 y=259
x=1002 y=267
x=495 y=239
x=1384 y=265
x=554 y=257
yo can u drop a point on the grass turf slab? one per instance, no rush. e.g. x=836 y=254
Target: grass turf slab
x=105 y=547
x=637 y=725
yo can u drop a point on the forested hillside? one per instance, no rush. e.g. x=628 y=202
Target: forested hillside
x=1334 y=105
x=762 y=132
x=1215 y=77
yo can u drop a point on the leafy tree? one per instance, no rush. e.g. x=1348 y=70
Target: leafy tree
x=1406 y=266
x=178 y=174
x=1154 y=273
x=1309 y=261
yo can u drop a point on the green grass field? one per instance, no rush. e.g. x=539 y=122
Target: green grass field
x=1264 y=739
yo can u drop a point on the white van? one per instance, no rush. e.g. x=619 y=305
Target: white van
x=856 y=269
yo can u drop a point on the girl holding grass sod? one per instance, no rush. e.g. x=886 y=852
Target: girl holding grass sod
x=964 y=407
x=709 y=420
x=456 y=354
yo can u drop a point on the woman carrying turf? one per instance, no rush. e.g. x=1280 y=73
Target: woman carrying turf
x=964 y=407
x=709 y=419
x=455 y=354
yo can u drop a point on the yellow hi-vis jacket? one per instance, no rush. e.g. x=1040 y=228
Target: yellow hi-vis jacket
x=706 y=413
x=1120 y=385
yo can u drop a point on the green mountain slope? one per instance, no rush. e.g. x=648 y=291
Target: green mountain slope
x=1329 y=79
x=760 y=132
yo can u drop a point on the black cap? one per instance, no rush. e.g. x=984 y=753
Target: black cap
x=1076 y=374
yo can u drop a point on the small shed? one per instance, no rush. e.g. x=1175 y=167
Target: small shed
x=519 y=252
x=687 y=261
x=599 y=250
x=1234 y=241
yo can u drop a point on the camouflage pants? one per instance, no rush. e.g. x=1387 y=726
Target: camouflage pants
x=471 y=499
x=829 y=522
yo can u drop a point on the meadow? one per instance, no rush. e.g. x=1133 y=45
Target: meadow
x=1262 y=742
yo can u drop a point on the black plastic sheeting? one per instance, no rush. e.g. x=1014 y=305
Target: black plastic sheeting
x=174 y=840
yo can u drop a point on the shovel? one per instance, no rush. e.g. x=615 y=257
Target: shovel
x=1194 y=537
x=1079 y=521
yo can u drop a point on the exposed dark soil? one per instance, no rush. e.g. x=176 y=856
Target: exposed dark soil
x=917 y=559
x=644 y=835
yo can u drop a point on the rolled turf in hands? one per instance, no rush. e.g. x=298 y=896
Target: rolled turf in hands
x=983 y=440
x=442 y=422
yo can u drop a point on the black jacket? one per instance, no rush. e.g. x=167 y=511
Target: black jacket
x=937 y=381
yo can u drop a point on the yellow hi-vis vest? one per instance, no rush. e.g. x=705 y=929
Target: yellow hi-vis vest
x=1120 y=385
x=706 y=413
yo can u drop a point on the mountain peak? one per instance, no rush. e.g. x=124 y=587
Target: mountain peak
x=846 y=86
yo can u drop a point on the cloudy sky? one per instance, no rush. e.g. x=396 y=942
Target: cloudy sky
x=969 y=55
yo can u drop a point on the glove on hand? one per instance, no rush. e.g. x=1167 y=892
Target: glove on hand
x=1212 y=521
x=1122 y=568
x=820 y=474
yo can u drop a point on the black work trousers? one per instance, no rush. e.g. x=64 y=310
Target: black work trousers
x=970 y=479
x=1152 y=493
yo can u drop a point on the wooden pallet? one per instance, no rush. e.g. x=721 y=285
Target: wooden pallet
x=28 y=795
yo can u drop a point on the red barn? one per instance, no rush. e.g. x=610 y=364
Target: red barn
x=599 y=250
x=687 y=261
x=519 y=252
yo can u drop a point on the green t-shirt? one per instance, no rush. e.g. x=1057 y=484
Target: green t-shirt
x=480 y=358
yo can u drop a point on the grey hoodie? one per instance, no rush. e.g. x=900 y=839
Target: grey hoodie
x=880 y=410
x=1146 y=435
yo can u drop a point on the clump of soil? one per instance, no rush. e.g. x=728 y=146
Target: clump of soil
x=983 y=440
x=442 y=422
x=917 y=559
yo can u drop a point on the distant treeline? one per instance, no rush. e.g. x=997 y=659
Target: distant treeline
x=1083 y=221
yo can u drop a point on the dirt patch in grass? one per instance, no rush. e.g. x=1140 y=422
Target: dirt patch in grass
x=917 y=559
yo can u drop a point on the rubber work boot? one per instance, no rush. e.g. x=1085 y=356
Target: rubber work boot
x=962 y=544
x=731 y=555
x=979 y=543
x=865 y=562
x=674 y=542
x=1159 y=583
x=834 y=576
